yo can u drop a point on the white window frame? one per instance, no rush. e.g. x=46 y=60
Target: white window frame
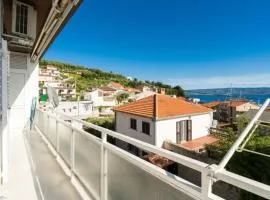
x=31 y=20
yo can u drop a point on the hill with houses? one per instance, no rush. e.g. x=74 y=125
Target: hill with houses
x=87 y=77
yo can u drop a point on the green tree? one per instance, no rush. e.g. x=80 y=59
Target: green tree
x=244 y=163
x=121 y=97
x=241 y=122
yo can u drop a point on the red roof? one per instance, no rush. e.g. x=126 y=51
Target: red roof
x=106 y=89
x=162 y=106
x=199 y=143
x=233 y=103
x=212 y=104
x=116 y=85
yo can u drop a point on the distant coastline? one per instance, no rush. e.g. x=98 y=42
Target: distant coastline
x=258 y=95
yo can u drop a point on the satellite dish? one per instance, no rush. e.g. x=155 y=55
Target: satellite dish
x=53 y=97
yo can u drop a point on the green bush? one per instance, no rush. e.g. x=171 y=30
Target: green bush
x=244 y=163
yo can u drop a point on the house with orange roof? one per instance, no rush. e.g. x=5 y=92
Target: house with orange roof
x=116 y=86
x=212 y=104
x=242 y=105
x=102 y=96
x=226 y=111
x=160 y=118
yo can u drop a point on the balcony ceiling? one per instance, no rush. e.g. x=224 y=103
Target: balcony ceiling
x=43 y=8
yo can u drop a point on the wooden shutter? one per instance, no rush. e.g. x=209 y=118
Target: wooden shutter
x=189 y=130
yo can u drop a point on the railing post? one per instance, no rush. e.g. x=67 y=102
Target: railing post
x=47 y=126
x=104 y=169
x=57 y=133
x=207 y=181
x=72 y=148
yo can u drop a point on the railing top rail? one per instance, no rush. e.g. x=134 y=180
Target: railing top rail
x=189 y=162
x=244 y=183
x=239 y=181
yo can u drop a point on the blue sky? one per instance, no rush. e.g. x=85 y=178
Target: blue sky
x=193 y=43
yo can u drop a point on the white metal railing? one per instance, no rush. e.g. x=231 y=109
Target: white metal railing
x=105 y=171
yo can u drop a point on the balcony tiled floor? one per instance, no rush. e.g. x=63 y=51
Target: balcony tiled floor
x=50 y=180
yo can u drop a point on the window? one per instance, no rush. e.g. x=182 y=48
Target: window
x=183 y=131
x=146 y=128
x=21 y=18
x=133 y=123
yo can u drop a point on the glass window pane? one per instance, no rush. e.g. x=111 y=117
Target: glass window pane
x=21 y=19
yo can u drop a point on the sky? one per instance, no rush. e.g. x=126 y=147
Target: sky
x=193 y=43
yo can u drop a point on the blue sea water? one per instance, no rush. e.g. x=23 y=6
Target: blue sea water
x=207 y=98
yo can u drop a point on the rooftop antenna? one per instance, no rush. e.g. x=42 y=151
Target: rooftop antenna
x=229 y=95
x=240 y=96
x=231 y=92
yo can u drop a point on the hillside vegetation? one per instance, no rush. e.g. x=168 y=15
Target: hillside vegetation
x=90 y=78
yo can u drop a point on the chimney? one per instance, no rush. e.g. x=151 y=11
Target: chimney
x=162 y=91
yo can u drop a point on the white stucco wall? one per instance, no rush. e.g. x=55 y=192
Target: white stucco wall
x=246 y=107
x=82 y=109
x=32 y=85
x=97 y=99
x=123 y=126
x=166 y=129
x=23 y=86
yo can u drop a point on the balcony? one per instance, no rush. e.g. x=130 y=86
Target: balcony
x=100 y=170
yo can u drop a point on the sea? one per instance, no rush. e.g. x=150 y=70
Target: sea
x=259 y=99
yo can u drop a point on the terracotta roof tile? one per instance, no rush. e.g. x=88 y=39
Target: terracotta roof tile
x=161 y=106
x=199 y=142
x=106 y=89
x=233 y=103
x=238 y=102
x=212 y=104
x=116 y=85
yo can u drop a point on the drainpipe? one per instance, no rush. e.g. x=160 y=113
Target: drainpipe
x=155 y=117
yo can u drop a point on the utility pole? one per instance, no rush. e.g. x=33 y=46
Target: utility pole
x=230 y=104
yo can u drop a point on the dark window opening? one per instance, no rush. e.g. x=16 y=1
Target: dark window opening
x=133 y=124
x=146 y=128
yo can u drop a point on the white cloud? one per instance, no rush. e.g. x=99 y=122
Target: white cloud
x=248 y=80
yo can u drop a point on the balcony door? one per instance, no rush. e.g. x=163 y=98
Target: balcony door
x=183 y=131
x=17 y=99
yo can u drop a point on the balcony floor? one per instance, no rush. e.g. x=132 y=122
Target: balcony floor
x=50 y=180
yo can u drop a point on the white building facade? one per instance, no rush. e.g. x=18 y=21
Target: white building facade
x=100 y=98
x=163 y=129
x=161 y=118
x=79 y=109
